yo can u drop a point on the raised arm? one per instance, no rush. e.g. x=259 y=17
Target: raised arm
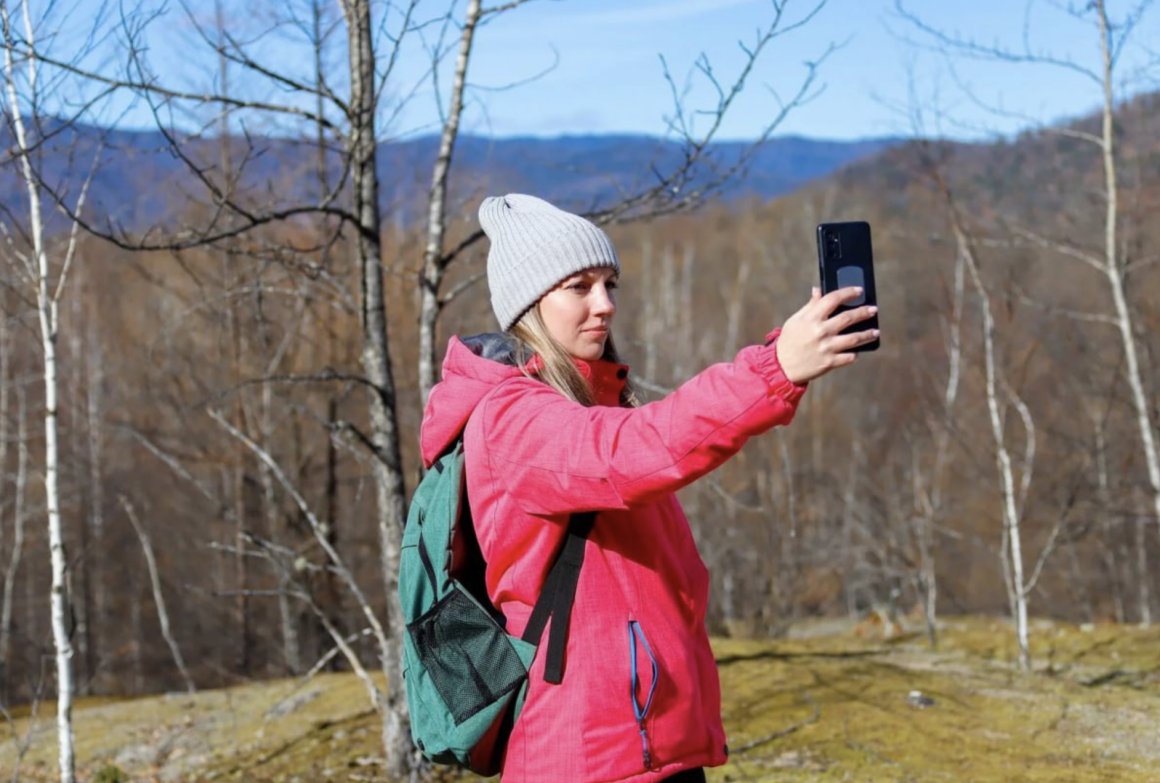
x=557 y=456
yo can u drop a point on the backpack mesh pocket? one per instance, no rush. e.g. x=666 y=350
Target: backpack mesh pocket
x=468 y=656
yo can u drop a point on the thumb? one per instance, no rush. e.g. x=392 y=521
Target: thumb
x=815 y=294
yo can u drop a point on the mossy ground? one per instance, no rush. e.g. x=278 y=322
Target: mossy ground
x=830 y=707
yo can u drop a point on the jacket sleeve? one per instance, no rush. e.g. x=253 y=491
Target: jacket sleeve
x=554 y=456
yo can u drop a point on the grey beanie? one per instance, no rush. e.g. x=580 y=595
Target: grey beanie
x=534 y=246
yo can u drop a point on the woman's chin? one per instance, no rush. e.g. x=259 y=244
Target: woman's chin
x=589 y=350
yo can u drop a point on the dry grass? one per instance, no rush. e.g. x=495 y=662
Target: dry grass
x=830 y=707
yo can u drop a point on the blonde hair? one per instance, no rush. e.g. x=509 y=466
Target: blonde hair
x=557 y=369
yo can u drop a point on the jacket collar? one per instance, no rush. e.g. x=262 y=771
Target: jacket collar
x=606 y=379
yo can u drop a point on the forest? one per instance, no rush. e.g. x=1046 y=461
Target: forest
x=208 y=427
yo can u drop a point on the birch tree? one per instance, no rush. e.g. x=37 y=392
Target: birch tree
x=353 y=200
x=1110 y=258
x=434 y=261
x=1012 y=546
x=47 y=277
x=347 y=107
x=1015 y=472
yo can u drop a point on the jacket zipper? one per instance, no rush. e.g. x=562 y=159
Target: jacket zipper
x=635 y=632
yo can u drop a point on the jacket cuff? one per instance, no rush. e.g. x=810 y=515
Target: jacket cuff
x=770 y=367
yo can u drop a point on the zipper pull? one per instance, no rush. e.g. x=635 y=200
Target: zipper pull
x=646 y=755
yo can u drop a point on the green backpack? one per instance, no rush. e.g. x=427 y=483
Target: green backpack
x=466 y=678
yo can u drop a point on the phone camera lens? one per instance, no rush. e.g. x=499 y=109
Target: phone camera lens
x=833 y=245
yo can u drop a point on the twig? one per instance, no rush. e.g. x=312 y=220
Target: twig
x=158 y=596
x=316 y=527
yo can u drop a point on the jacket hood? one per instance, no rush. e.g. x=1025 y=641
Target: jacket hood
x=472 y=367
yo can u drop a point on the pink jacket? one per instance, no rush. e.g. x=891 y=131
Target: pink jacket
x=640 y=698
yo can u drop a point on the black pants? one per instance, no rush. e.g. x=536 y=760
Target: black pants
x=687 y=776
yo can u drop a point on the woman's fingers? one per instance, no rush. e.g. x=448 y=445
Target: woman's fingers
x=848 y=342
x=835 y=299
x=843 y=321
x=811 y=345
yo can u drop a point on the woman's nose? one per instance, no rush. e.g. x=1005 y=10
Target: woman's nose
x=603 y=301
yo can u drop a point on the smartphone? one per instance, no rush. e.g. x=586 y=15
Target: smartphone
x=845 y=258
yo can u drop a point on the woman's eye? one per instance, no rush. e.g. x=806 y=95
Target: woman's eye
x=612 y=285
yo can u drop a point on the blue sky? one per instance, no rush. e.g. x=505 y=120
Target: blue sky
x=603 y=72
x=609 y=77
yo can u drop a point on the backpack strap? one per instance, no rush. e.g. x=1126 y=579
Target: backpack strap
x=558 y=595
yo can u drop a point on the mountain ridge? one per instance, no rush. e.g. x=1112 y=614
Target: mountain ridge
x=139 y=182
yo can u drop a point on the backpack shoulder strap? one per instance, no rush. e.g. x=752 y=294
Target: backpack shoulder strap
x=558 y=595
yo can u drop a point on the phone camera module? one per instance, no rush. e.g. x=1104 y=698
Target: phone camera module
x=833 y=245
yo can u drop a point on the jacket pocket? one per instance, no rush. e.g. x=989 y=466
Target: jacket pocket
x=642 y=686
x=469 y=659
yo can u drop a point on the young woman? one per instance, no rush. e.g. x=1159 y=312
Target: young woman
x=551 y=427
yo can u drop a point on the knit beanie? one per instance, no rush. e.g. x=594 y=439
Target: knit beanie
x=534 y=246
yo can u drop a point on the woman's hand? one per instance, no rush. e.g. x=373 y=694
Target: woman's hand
x=810 y=343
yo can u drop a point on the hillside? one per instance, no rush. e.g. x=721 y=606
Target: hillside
x=825 y=706
x=140 y=182
x=827 y=518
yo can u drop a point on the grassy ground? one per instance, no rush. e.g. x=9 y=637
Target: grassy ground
x=830 y=707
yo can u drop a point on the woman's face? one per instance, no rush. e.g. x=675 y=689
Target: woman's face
x=578 y=312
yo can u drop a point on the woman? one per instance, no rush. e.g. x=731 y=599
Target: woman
x=551 y=427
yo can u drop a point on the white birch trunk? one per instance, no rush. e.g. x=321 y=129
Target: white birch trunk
x=1115 y=274
x=1013 y=544
x=434 y=267
x=47 y=316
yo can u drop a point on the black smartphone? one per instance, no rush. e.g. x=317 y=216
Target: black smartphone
x=845 y=258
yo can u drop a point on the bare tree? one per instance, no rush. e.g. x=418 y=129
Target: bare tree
x=379 y=698
x=694 y=178
x=48 y=280
x=376 y=363
x=1111 y=261
x=158 y=595
x=232 y=216
x=434 y=262
x=1013 y=495
x=347 y=131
